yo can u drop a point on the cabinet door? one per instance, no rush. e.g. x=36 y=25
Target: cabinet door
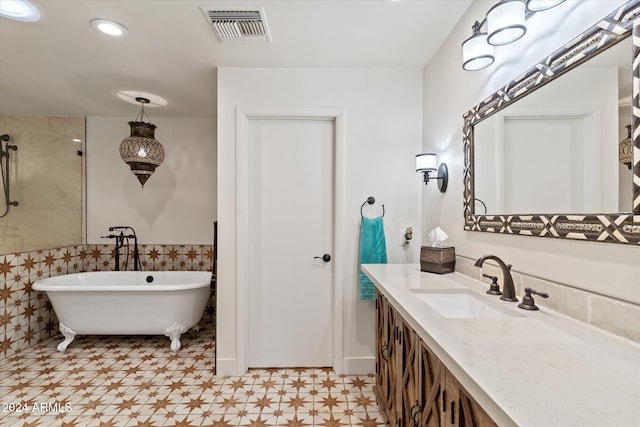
x=409 y=367
x=386 y=345
x=460 y=409
x=413 y=387
x=431 y=384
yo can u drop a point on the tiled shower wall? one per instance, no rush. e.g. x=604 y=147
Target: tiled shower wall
x=47 y=179
x=26 y=316
x=617 y=317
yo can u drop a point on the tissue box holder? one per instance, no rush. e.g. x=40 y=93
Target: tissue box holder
x=437 y=260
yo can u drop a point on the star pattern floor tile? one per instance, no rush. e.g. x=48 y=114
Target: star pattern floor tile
x=138 y=381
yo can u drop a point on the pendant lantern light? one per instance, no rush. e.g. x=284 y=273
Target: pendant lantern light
x=505 y=22
x=141 y=151
x=476 y=52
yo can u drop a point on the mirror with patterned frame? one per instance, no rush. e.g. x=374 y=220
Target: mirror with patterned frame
x=606 y=227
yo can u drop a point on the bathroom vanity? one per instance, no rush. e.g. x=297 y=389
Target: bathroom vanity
x=448 y=354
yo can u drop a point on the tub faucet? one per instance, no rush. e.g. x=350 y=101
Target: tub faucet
x=508 y=291
x=120 y=244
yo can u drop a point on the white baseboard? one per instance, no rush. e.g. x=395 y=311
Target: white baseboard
x=358 y=365
x=227 y=367
x=350 y=365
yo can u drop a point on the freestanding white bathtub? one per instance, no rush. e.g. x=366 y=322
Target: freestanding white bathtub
x=127 y=303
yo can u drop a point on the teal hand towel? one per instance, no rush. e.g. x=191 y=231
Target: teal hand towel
x=373 y=250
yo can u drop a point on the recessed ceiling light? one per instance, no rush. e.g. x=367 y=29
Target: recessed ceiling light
x=131 y=95
x=19 y=10
x=108 y=27
x=76 y=140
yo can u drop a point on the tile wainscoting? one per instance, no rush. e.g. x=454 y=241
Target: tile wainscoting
x=612 y=315
x=26 y=316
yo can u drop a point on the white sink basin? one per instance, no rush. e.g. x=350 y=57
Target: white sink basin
x=463 y=304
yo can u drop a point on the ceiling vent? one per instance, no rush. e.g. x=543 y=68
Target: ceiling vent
x=239 y=25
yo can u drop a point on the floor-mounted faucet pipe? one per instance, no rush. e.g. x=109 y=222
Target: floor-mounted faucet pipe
x=4 y=171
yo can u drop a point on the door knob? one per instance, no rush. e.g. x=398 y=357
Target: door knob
x=325 y=257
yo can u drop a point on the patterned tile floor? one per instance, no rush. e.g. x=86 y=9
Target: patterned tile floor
x=138 y=381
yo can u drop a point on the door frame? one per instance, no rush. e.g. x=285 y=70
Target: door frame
x=243 y=116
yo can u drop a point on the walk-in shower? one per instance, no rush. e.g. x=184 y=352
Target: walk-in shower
x=6 y=176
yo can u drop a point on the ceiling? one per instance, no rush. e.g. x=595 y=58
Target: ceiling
x=61 y=66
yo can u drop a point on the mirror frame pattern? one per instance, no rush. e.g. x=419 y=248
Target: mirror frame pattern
x=607 y=227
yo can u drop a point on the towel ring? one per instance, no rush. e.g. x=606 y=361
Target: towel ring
x=371 y=200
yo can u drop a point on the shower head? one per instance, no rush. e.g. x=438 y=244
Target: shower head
x=5 y=137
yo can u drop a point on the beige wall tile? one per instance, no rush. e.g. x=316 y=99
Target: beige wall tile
x=617 y=317
x=614 y=316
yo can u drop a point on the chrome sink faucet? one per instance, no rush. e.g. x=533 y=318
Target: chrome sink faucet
x=508 y=290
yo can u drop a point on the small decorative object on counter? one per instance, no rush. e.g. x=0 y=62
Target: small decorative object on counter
x=438 y=260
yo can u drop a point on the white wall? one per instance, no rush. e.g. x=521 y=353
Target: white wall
x=383 y=127
x=449 y=91
x=178 y=202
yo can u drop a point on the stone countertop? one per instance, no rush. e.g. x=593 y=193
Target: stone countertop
x=537 y=369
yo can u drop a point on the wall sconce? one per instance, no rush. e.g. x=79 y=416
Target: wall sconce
x=505 y=24
x=427 y=163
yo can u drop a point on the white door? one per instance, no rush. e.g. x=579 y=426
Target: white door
x=553 y=150
x=291 y=185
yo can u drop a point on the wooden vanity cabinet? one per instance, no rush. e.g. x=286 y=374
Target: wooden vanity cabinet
x=386 y=345
x=463 y=411
x=413 y=387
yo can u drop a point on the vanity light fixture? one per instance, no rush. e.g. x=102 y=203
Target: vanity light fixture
x=19 y=10
x=505 y=23
x=141 y=151
x=540 y=5
x=427 y=163
x=476 y=52
x=108 y=27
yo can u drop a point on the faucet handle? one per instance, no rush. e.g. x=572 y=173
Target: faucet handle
x=527 y=300
x=494 y=289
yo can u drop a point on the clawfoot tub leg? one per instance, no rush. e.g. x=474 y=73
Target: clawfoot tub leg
x=69 y=335
x=173 y=332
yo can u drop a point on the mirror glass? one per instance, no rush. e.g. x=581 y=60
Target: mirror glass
x=556 y=149
x=45 y=176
